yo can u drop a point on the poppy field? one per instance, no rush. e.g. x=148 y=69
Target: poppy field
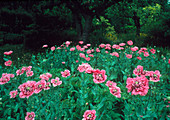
x=81 y=82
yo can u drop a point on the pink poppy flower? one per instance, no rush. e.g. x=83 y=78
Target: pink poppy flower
x=67 y=43
x=52 y=48
x=39 y=86
x=58 y=47
x=81 y=42
x=27 y=68
x=77 y=61
x=82 y=49
x=110 y=84
x=102 y=45
x=130 y=42
x=114 y=90
x=13 y=94
x=89 y=115
x=83 y=67
x=5 y=78
x=56 y=82
x=19 y=72
x=85 y=47
x=30 y=116
x=134 y=48
x=88 y=45
x=91 y=55
x=44 y=46
x=82 y=55
x=89 y=70
x=8 y=63
x=88 y=51
x=138 y=85
x=99 y=76
x=139 y=71
x=154 y=76
x=129 y=56
x=169 y=61
x=45 y=76
x=47 y=86
x=29 y=73
x=66 y=73
x=97 y=50
x=27 y=89
x=116 y=46
x=146 y=54
x=108 y=46
x=63 y=62
x=139 y=58
x=153 y=51
x=106 y=52
x=72 y=49
x=115 y=54
x=78 y=47
x=87 y=58
x=122 y=44
x=8 y=53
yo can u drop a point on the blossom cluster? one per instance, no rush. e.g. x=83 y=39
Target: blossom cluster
x=140 y=84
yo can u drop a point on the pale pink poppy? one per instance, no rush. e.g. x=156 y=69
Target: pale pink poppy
x=89 y=115
x=8 y=63
x=130 y=42
x=27 y=89
x=99 y=76
x=44 y=46
x=29 y=73
x=56 y=82
x=52 y=48
x=30 y=116
x=66 y=73
x=114 y=90
x=72 y=49
x=8 y=53
x=39 y=86
x=81 y=42
x=102 y=45
x=138 y=85
x=13 y=94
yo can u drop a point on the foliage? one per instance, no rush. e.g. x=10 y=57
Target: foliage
x=79 y=93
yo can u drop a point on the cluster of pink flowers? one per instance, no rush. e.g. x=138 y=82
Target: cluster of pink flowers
x=30 y=116
x=115 y=54
x=45 y=76
x=89 y=115
x=85 y=67
x=140 y=84
x=82 y=55
x=5 y=78
x=154 y=75
x=25 y=69
x=31 y=87
x=114 y=90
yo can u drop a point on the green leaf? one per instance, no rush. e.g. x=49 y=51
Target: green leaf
x=5 y=59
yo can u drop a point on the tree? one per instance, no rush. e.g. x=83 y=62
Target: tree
x=84 y=11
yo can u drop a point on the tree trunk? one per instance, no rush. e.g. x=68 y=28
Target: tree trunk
x=78 y=26
x=137 y=23
x=87 y=27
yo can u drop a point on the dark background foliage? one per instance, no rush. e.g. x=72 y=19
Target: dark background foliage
x=34 y=23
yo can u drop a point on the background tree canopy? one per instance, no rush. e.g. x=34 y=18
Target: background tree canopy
x=34 y=23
